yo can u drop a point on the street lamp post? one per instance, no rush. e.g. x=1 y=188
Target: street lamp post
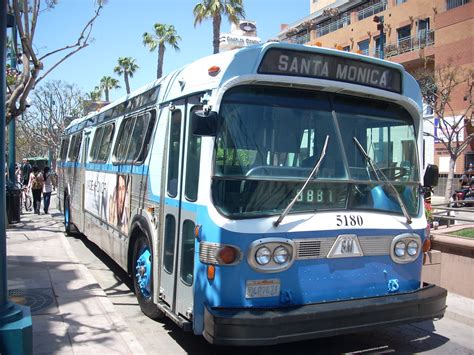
x=12 y=124
x=16 y=335
x=379 y=21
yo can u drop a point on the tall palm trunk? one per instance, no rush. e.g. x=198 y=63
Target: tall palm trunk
x=106 y=91
x=127 y=84
x=216 y=29
x=161 y=55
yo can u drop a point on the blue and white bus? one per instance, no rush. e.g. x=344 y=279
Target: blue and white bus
x=261 y=195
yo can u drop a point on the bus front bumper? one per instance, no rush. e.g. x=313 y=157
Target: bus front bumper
x=244 y=327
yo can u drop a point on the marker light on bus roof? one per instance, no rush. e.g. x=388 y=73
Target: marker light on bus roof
x=214 y=70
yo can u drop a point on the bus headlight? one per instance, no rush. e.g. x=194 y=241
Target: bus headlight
x=263 y=256
x=281 y=255
x=405 y=248
x=400 y=248
x=412 y=248
x=271 y=254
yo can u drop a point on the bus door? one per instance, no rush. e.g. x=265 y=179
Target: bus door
x=179 y=213
x=84 y=159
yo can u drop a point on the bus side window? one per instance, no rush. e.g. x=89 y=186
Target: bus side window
x=148 y=130
x=173 y=156
x=123 y=139
x=64 y=147
x=106 y=143
x=193 y=162
x=96 y=143
x=74 y=147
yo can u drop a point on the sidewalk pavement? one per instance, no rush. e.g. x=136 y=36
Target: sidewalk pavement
x=71 y=313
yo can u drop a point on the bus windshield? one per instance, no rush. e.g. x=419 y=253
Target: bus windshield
x=271 y=138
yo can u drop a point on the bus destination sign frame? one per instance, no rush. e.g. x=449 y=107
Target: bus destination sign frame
x=325 y=66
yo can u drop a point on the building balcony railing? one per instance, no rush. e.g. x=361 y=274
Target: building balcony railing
x=408 y=44
x=451 y=4
x=333 y=26
x=372 y=10
x=298 y=39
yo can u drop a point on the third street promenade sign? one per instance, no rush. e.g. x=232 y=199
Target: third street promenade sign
x=325 y=66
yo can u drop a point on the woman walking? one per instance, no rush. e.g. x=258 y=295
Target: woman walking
x=47 y=188
x=36 y=183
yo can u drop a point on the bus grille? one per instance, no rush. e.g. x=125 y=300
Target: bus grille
x=313 y=248
x=376 y=245
x=319 y=247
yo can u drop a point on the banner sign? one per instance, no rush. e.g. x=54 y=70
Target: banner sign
x=331 y=67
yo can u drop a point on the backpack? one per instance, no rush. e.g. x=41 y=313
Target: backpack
x=37 y=183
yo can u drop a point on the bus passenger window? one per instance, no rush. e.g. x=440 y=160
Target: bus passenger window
x=193 y=163
x=64 y=146
x=187 y=253
x=173 y=157
x=106 y=143
x=74 y=147
x=137 y=137
x=168 y=251
x=123 y=139
x=96 y=143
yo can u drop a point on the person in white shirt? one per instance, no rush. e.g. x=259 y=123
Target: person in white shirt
x=47 y=188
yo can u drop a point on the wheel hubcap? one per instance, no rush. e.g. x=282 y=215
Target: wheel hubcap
x=143 y=272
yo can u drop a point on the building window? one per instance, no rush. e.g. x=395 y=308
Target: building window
x=451 y=4
x=404 y=32
x=399 y=2
x=346 y=48
x=423 y=27
x=364 y=46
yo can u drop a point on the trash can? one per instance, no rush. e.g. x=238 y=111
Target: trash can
x=13 y=204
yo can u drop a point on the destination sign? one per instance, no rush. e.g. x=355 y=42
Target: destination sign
x=325 y=66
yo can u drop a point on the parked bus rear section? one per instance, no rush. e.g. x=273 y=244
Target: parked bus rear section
x=262 y=195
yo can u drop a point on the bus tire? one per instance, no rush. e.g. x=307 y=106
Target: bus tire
x=142 y=259
x=67 y=216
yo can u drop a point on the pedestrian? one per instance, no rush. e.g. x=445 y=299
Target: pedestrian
x=26 y=171
x=36 y=184
x=19 y=174
x=47 y=188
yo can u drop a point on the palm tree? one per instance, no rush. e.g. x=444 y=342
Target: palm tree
x=95 y=94
x=127 y=67
x=232 y=9
x=108 y=83
x=163 y=35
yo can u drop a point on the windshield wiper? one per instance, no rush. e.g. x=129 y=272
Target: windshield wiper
x=311 y=175
x=381 y=177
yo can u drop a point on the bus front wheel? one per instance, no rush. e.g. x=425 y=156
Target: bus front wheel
x=142 y=277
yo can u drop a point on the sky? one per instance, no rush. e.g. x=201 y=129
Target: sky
x=119 y=29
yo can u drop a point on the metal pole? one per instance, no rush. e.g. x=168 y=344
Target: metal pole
x=3 y=232
x=12 y=124
x=16 y=327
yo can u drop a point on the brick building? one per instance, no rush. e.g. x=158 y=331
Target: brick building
x=416 y=33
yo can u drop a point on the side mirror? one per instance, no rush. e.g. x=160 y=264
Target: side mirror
x=431 y=176
x=205 y=123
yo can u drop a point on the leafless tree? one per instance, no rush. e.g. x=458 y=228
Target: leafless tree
x=440 y=86
x=54 y=105
x=32 y=70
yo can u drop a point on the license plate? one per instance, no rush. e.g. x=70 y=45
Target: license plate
x=262 y=288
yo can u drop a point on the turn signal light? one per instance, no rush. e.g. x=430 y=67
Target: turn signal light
x=211 y=272
x=227 y=255
x=214 y=70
